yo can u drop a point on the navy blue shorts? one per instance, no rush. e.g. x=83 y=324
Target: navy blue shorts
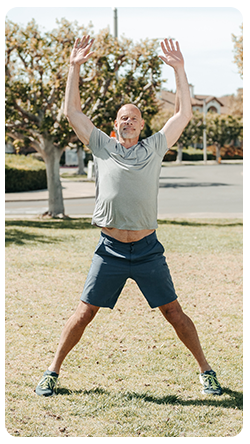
x=114 y=262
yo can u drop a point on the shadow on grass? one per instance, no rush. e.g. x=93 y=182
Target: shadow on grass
x=15 y=233
x=72 y=224
x=85 y=223
x=234 y=399
x=19 y=237
x=194 y=223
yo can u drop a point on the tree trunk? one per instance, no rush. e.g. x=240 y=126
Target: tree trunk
x=218 y=157
x=80 y=161
x=52 y=157
x=179 y=154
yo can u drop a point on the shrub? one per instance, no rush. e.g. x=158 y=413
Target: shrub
x=170 y=156
x=191 y=154
x=228 y=152
x=24 y=173
x=197 y=156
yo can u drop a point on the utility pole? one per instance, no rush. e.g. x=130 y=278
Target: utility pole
x=204 y=133
x=115 y=23
x=115 y=32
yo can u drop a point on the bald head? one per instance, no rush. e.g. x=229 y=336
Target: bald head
x=129 y=107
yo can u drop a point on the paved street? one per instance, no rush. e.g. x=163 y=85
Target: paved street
x=185 y=191
x=201 y=191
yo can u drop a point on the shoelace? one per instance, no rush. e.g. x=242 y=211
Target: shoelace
x=211 y=379
x=48 y=382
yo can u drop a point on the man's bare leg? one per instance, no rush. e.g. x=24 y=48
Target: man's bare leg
x=186 y=331
x=72 y=333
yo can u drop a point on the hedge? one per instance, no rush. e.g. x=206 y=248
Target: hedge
x=24 y=173
x=197 y=156
x=191 y=154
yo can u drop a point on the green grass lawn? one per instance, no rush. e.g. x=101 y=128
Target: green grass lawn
x=129 y=376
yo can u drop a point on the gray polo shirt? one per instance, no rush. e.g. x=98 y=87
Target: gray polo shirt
x=127 y=181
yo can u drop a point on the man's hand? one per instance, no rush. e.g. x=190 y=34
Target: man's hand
x=80 y=53
x=172 y=56
x=176 y=124
x=81 y=124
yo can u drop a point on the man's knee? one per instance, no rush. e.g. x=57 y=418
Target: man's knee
x=85 y=313
x=173 y=313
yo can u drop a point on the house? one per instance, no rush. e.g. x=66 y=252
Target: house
x=212 y=103
x=230 y=104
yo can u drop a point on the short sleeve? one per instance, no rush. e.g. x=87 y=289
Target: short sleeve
x=98 y=139
x=158 y=142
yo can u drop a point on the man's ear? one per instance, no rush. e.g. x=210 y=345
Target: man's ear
x=142 y=124
x=115 y=124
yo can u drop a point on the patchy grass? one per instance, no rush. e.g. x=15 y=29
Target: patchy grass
x=129 y=376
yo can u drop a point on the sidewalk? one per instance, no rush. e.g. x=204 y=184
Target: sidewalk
x=72 y=189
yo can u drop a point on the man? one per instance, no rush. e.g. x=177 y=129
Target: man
x=127 y=177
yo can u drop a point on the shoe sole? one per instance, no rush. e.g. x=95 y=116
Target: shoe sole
x=211 y=393
x=45 y=396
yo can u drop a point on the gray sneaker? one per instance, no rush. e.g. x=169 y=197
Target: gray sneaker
x=47 y=384
x=210 y=383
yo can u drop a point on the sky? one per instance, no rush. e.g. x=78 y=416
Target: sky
x=204 y=34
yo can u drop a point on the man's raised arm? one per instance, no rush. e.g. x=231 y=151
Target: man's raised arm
x=81 y=124
x=183 y=114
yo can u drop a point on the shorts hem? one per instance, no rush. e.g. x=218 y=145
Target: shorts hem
x=96 y=304
x=111 y=307
x=164 y=303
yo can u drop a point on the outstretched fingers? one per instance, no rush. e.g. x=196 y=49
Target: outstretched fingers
x=76 y=43
x=168 y=45
x=165 y=46
x=85 y=45
x=171 y=53
x=177 y=46
x=84 y=41
x=81 y=51
x=172 y=45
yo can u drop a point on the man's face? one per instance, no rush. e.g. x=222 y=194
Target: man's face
x=129 y=122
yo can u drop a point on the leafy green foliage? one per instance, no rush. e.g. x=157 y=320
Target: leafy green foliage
x=222 y=129
x=36 y=74
x=24 y=174
x=193 y=131
x=238 y=51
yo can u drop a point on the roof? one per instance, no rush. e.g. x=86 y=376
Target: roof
x=168 y=99
x=208 y=99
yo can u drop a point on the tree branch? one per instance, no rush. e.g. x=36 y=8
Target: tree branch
x=144 y=89
x=103 y=91
x=25 y=113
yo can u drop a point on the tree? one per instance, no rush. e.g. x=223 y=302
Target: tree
x=238 y=51
x=36 y=73
x=235 y=103
x=159 y=120
x=191 y=134
x=222 y=129
x=139 y=79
